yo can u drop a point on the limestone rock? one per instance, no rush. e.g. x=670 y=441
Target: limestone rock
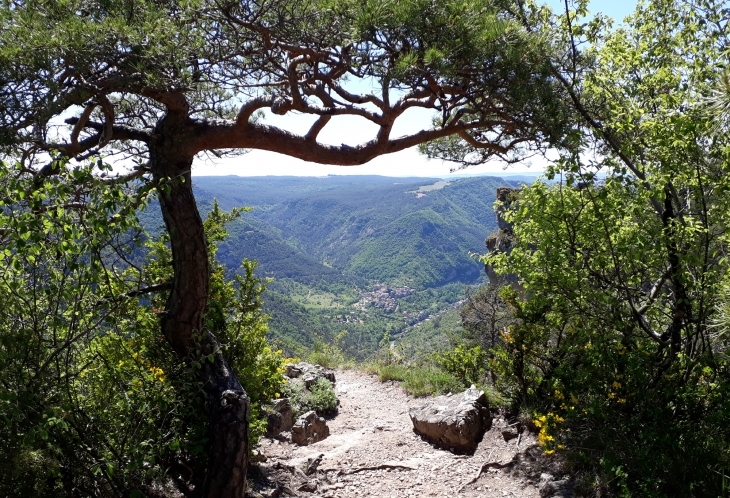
x=309 y=373
x=550 y=488
x=309 y=429
x=257 y=457
x=282 y=418
x=309 y=486
x=510 y=433
x=503 y=239
x=506 y=196
x=310 y=467
x=456 y=422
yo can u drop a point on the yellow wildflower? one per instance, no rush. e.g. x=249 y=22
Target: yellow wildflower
x=157 y=374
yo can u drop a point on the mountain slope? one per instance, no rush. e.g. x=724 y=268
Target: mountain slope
x=397 y=231
x=327 y=241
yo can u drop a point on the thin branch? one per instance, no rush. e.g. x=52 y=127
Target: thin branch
x=482 y=469
x=253 y=105
x=137 y=173
x=80 y=123
x=382 y=466
x=321 y=122
x=654 y=292
x=608 y=136
x=147 y=290
x=481 y=145
x=572 y=39
x=356 y=99
x=119 y=132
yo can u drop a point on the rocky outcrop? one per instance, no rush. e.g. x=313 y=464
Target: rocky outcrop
x=281 y=419
x=309 y=429
x=503 y=239
x=456 y=422
x=308 y=372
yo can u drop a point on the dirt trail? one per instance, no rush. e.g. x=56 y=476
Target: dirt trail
x=373 y=430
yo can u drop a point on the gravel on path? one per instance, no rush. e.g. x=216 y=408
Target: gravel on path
x=373 y=451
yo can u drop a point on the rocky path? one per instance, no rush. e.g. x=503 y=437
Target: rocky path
x=373 y=451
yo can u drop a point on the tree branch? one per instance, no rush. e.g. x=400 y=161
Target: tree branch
x=311 y=135
x=226 y=134
x=119 y=132
x=654 y=292
x=80 y=123
x=174 y=101
x=253 y=105
x=147 y=290
x=481 y=145
x=608 y=136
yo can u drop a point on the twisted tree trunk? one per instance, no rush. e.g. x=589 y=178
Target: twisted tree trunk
x=182 y=323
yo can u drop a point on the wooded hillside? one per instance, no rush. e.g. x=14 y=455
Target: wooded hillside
x=325 y=241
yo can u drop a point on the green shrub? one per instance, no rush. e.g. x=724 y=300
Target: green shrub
x=320 y=397
x=431 y=380
x=418 y=380
x=329 y=354
x=619 y=404
x=92 y=396
x=388 y=372
x=467 y=364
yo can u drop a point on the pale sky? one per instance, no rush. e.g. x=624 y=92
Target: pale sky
x=353 y=130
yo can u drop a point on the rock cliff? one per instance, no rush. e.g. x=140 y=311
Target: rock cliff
x=503 y=239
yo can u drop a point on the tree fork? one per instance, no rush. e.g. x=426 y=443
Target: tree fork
x=182 y=322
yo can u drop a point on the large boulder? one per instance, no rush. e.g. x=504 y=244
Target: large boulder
x=456 y=422
x=281 y=418
x=308 y=372
x=309 y=429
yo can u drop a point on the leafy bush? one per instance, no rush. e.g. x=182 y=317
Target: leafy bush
x=465 y=363
x=320 y=397
x=418 y=380
x=389 y=371
x=430 y=380
x=328 y=354
x=622 y=405
x=93 y=402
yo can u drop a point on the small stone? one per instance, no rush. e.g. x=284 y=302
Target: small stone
x=311 y=373
x=309 y=486
x=309 y=429
x=557 y=489
x=509 y=433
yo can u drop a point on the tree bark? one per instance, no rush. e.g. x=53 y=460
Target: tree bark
x=182 y=322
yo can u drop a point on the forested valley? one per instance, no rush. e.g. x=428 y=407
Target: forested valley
x=336 y=248
x=147 y=315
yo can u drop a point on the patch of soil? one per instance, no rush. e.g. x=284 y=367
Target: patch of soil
x=373 y=451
